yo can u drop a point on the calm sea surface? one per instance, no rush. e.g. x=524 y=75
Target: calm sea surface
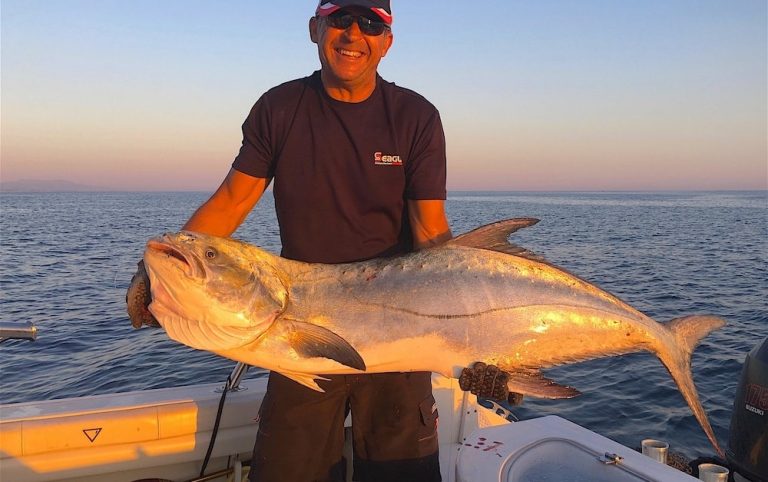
x=66 y=260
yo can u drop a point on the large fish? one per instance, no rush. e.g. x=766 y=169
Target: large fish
x=474 y=298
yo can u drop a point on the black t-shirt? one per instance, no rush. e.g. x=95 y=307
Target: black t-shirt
x=343 y=171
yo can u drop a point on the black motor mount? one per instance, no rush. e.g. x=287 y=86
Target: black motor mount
x=748 y=440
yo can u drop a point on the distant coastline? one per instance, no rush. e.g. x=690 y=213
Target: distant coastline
x=59 y=185
x=47 y=185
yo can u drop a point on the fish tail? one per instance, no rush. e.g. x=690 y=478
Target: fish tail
x=686 y=332
x=689 y=330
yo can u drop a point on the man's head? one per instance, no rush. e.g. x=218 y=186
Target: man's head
x=351 y=36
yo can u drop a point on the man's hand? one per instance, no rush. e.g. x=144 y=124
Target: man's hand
x=487 y=381
x=138 y=298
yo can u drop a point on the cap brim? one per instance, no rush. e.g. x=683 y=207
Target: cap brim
x=329 y=8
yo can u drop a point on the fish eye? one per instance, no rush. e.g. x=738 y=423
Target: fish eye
x=210 y=253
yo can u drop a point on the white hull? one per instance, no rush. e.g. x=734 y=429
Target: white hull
x=165 y=434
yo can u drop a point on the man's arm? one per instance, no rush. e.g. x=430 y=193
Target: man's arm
x=428 y=222
x=228 y=207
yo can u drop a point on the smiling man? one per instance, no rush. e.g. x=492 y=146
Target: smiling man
x=359 y=170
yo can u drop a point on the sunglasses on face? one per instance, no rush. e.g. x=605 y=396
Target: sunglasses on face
x=367 y=26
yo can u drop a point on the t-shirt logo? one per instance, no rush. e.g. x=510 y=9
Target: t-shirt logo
x=386 y=160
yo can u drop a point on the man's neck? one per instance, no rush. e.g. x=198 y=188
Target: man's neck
x=348 y=92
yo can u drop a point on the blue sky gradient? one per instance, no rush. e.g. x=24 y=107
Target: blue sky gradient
x=545 y=95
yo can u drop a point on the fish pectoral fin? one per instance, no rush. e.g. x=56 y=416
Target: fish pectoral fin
x=315 y=341
x=534 y=384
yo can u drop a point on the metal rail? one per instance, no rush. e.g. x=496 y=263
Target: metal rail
x=233 y=382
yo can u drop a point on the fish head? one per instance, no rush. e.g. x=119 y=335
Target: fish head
x=212 y=293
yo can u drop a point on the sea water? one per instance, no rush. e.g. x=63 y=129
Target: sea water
x=66 y=260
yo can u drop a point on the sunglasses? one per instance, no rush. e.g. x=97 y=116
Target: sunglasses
x=367 y=26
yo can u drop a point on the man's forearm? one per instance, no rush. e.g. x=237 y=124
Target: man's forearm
x=210 y=219
x=426 y=240
x=228 y=207
x=429 y=224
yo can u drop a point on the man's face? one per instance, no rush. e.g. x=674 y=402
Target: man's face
x=349 y=58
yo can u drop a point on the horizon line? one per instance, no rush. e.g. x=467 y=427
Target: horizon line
x=202 y=191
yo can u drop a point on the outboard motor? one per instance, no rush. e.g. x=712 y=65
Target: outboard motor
x=748 y=441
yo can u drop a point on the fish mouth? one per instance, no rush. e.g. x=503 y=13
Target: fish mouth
x=163 y=247
x=168 y=250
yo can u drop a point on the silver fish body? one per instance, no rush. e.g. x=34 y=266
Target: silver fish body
x=475 y=298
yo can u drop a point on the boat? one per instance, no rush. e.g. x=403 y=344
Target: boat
x=174 y=434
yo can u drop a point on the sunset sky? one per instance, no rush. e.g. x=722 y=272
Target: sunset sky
x=534 y=95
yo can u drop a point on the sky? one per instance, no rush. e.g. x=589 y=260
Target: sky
x=534 y=95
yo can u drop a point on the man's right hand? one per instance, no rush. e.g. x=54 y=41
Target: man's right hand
x=138 y=298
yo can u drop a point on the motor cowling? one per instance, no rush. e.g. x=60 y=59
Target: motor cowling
x=748 y=440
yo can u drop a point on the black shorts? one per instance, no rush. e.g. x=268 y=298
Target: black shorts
x=394 y=422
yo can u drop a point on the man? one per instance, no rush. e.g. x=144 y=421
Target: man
x=359 y=172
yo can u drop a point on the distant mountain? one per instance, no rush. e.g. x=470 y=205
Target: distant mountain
x=46 y=185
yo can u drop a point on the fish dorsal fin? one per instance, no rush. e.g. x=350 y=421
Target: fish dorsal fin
x=494 y=236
